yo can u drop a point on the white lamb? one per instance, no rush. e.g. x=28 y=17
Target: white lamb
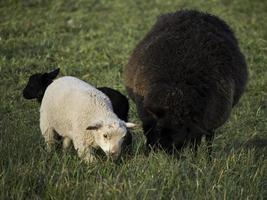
x=82 y=114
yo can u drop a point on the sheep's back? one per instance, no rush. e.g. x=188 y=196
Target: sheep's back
x=70 y=103
x=195 y=54
x=186 y=47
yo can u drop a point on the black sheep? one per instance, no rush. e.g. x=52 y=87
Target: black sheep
x=185 y=76
x=38 y=83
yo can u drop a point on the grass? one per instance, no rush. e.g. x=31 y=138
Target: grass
x=92 y=40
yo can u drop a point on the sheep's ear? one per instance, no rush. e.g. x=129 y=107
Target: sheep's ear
x=50 y=76
x=94 y=126
x=130 y=125
x=156 y=112
x=33 y=86
x=53 y=74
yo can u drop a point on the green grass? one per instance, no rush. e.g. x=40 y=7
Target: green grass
x=92 y=40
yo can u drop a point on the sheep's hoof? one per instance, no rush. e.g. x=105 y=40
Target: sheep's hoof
x=50 y=146
x=89 y=158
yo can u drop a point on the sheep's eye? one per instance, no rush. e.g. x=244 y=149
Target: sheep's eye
x=105 y=136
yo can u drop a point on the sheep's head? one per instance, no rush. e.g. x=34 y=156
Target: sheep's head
x=109 y=136
x=37 y=85
x=170 y=121
x=163 y=131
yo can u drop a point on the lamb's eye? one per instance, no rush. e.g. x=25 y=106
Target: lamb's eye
x=105 y=136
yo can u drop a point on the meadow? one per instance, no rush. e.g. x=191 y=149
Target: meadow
x=92 y=40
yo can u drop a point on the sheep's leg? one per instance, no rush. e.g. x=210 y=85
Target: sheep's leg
x=195 y=143
x=209 y=139
x=49 y=136
x=151 y=140
x=66 y=143
x=84 y=152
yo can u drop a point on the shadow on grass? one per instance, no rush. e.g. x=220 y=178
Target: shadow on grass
x=259 y=144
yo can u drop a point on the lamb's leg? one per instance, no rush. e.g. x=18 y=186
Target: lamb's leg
x=66 y=143
x=87 y=154
x=49 y=136
x=84 y=152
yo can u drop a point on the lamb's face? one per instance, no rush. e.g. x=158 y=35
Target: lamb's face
x=33 y=87
x=109 y=137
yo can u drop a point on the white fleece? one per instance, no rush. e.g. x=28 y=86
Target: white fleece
x=69 y=106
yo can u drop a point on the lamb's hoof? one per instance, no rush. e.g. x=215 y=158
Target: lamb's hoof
x=89 y=159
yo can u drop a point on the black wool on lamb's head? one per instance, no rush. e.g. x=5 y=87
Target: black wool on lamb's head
x=37 y=85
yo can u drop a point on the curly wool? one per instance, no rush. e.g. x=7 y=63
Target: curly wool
x=187 y=70
x=69 y=105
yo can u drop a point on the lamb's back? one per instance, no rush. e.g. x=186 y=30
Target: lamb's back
x=68 y=100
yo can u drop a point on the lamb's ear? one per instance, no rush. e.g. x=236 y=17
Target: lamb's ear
x=130 y=125
x=95 y=126
x=53 y=74
x=48 y=77
x=156 y=112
